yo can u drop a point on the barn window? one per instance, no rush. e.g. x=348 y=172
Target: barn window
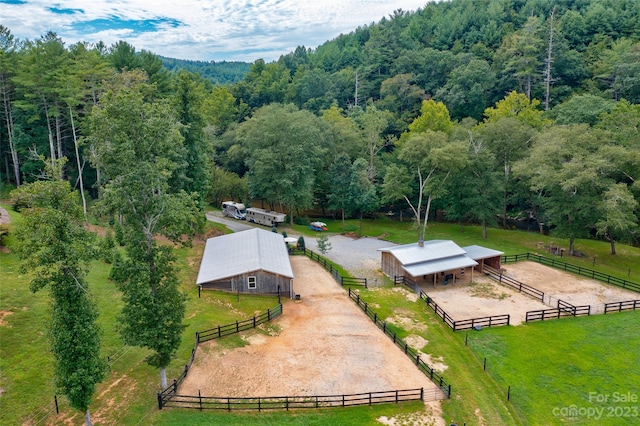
x=251 y=284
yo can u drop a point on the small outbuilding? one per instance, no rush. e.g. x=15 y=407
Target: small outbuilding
x=437 y=261
x=251 y=261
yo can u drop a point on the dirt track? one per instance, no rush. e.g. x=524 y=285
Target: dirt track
x=326 y=346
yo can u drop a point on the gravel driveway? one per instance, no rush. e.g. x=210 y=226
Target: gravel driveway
x=360 y=256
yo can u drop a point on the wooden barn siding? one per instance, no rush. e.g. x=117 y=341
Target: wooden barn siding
x=266 y=283
x=391 y=266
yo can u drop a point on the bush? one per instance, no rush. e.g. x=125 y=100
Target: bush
x=108 y=247
x=117 y=227
x=300 y=245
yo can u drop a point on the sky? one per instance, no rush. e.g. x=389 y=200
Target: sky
x=205 y=30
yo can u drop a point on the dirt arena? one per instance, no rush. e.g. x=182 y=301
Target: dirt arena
x=485 y=297
x=324 y=345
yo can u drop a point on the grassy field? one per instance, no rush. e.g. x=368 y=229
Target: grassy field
x=128 y=394
x=553 y=366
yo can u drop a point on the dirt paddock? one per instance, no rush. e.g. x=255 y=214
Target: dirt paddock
x=324 y=345
x=485 y=297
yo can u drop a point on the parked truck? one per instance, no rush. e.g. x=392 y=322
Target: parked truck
x=234 y=210
x=265 y=217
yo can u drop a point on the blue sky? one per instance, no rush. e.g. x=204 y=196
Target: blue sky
x=243 y=30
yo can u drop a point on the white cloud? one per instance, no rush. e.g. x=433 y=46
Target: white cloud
x=204 y=30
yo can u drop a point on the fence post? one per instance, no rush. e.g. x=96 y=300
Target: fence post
x=199 y=288
x=237 y=327
x=421 y=394
x=55 y=400
x=175 y=386
x=369 y=398
x=219 y=335
x=159 y=402
x=200 y=399
x=269 y=314
x=509 y=393
x=375 y=318
x=484 y=365
x=365 y=283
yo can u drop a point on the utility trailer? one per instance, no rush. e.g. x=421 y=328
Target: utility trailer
x=265 y=217
x=234 y=210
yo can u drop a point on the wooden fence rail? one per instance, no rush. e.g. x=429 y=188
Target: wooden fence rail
x=466 y=324
x=329 y=266
x=609 y=279
x=297 y=402
x=628 y=305
x=515 y=284
x=436 y=378
x=170 y=392
x=545 y=314
x=238 y=326
x=492 y=321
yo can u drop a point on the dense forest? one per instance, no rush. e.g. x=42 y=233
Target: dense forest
x=222 y=72
x=479 y=110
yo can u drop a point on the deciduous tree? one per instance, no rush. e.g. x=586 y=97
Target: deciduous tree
x=139 y=148
x=56 y=249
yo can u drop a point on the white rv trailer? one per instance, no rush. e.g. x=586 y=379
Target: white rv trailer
x=234 y=210
x=265 y=217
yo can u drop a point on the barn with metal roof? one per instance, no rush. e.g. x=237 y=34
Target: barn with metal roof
x=437 y=261
x=251 y=261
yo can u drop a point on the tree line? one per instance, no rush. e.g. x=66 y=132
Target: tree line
x=481 y=110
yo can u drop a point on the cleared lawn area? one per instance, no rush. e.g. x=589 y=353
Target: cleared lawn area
x=554 y=366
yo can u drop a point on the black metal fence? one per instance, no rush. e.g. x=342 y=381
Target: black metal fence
x=609 y=279
x=435 y=377
x=298 y=402
x=466 y=324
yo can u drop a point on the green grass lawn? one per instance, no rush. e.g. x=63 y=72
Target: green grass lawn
x=552 y=366
x=127 y=396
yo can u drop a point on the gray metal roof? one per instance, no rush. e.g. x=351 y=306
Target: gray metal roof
x=438 y=256
x=410 y=254
x=479 y=252
x=440 y=265
x=243 y=252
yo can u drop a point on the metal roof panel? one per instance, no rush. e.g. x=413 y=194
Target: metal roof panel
x=242 y=252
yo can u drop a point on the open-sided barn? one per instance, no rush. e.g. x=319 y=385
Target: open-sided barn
x=251 y=261
x=437 y=261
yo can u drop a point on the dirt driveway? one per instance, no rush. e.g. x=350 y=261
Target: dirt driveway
x=325 y=346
